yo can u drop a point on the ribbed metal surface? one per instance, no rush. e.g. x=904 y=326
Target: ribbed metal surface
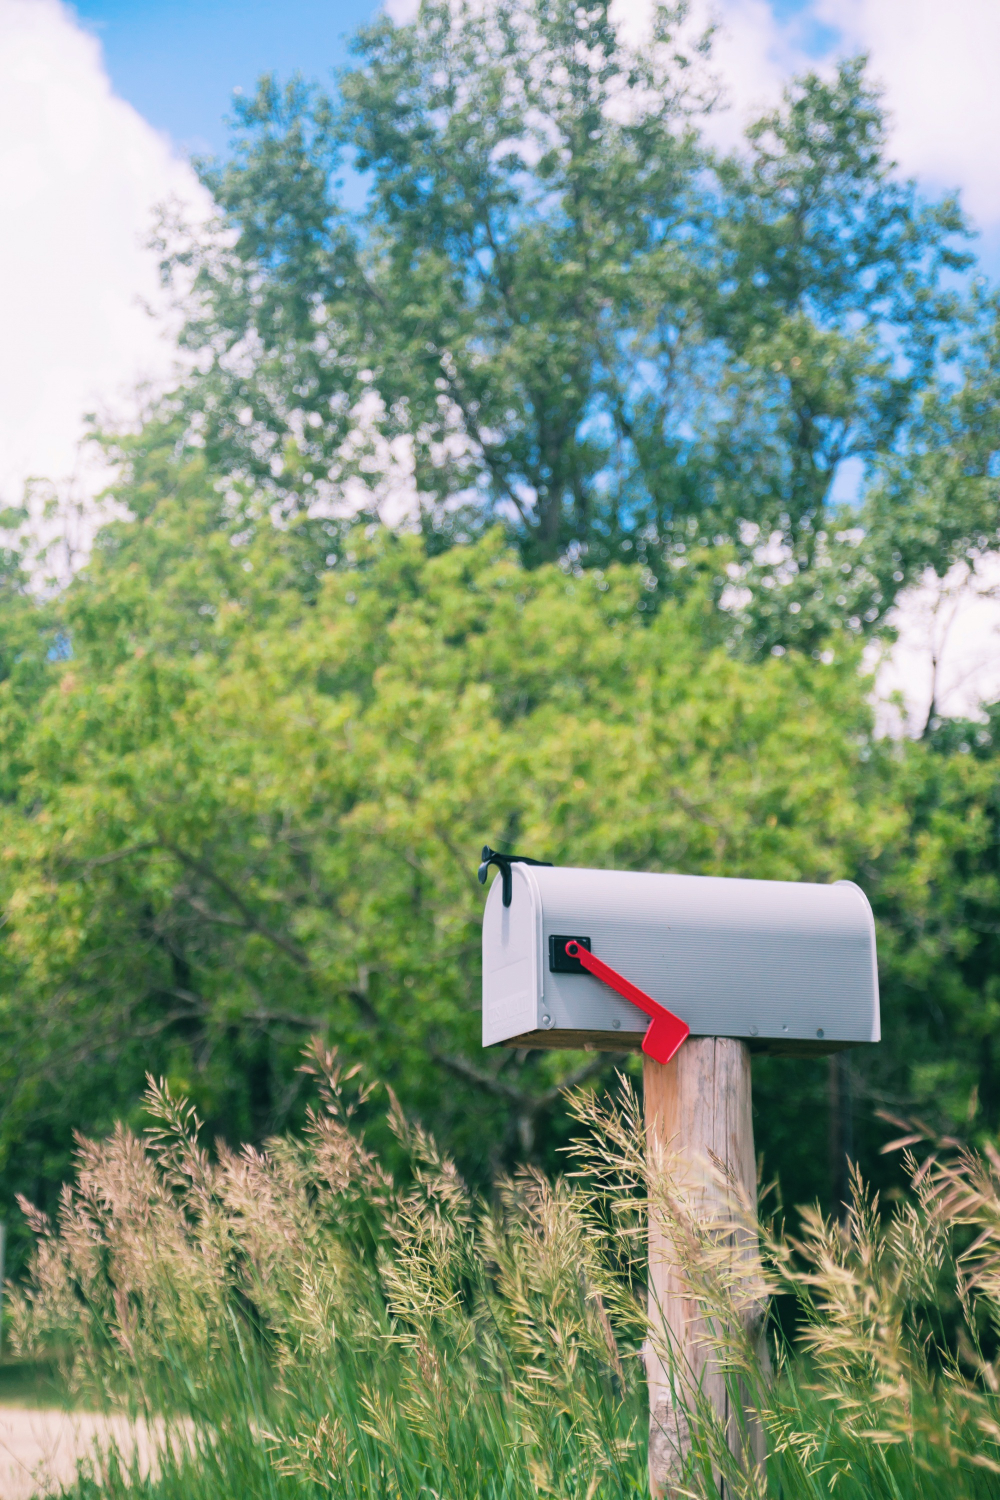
x=511 y=960
x=747 y=958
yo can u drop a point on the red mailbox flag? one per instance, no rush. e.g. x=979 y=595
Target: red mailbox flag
x=666 y=1031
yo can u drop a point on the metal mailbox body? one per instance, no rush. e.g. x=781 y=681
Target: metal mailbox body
x=788 y=966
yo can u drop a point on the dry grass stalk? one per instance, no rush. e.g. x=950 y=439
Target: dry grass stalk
x=323 y=1325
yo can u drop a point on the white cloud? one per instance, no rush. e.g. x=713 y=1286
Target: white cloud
x=80 y=173
x=753 y=56
x=939 y=64
x=948 y=652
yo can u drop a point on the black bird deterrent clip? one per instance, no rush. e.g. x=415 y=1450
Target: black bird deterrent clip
x=503 y=863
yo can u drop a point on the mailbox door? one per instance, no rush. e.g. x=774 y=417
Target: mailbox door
x=512 y=939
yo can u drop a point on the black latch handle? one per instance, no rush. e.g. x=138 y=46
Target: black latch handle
x=503 y=863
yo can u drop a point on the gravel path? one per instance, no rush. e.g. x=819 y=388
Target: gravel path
x=39 y=1449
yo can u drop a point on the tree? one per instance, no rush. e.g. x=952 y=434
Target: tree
x=249 y=813
x=834 y=301
x=556 y=309
x=477 y=307
x=938 y=894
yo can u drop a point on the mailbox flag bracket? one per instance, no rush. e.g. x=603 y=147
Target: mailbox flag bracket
x=665 y=1033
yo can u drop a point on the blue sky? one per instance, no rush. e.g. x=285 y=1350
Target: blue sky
x=178 y=61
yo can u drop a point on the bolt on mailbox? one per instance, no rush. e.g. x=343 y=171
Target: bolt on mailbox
x=788 y=967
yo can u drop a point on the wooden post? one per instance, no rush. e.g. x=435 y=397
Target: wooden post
x=698 y=1120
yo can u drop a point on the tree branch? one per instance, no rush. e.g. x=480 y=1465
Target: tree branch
x=250 y=922
x=119 y=854
x=527 y=1103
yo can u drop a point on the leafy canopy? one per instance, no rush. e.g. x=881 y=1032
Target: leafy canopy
x=555 y=306
x=247 y=814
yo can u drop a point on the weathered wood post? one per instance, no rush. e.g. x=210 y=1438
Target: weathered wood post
x=615 y=960
x=699 y=1130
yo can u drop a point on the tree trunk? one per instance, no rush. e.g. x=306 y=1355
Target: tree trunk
x=699 y=1131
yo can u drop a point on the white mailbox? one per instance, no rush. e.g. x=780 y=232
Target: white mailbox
x=788 y=966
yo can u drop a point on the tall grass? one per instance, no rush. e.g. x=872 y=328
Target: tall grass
x=311 y=1326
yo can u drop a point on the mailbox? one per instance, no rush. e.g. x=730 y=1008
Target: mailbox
x=787 y=966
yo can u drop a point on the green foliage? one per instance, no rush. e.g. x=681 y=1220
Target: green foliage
x=248 y=805
x=831 y=300
x=940 y=502
x=515 y=235
x=250 y=811
x=938 y=897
